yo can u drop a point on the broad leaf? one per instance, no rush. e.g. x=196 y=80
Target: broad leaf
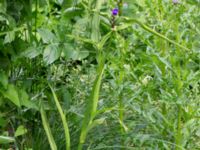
x=25 y=101
x=11 y=94
x=32 y=52
x=51 y=53
x=46 y=35
x=21 y=130
x=10 y=36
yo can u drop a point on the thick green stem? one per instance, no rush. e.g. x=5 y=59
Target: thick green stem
x=91 y=106
x=80 y=146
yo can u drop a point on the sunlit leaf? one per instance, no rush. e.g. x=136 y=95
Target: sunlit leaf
x=6 y=140
x=46 y=35
x=32 y=52
x=12 y=94
x=21 y=130
x=51 y=53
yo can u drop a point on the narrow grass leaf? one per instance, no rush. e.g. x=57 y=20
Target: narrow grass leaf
x=6 y=140
x=63 y=118
x=47 y=129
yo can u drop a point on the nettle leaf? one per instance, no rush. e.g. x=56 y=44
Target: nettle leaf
x=32 y=52
x=46 y=35
x=51 y=53
x=83 y=54
x=12 y=94
x=10 y=36
x=21 y=130
x=69 y=52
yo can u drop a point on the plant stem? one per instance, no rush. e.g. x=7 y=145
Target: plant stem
x=178 y=134
x=151 y=31
x=160 y=35
x=91 y=107
x=120 y=6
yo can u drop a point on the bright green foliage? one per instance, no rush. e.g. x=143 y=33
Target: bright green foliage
x=21 y=130
x=125 y=81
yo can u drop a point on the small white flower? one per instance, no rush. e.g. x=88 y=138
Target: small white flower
x=125 y=5
x=146 y=80
x=175 y=1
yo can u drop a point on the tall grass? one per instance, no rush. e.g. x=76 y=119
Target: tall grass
x=147 y=57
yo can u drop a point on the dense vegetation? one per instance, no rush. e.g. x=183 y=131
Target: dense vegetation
x=100 y=74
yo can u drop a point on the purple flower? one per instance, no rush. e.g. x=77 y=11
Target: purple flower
x=115 y=11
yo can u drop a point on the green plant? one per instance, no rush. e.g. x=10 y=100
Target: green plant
x=123 y=74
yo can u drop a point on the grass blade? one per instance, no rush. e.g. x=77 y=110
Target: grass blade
x=6 y=140
x=63 y=118
x=47 y=129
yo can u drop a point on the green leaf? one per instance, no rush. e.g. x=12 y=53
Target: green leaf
x=2 y=18
x=47 y=129
x=51 y=53
x=3 y=122
x=10 y=36
x=123 y=125
x=63 y=118
x=3 y=79
x=6 y=139
x=11 y=94
x=24 y=100
x=95 y=35
x=90 y=111
x=69 y=52
x=60 y=2
x=21 y=130
x=96 y=123
x=46 y=35
x=103 y=40
x=32 y=52
x=3 y=6
x=83 y=54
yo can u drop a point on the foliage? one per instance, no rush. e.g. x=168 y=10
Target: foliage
x=73 y=75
